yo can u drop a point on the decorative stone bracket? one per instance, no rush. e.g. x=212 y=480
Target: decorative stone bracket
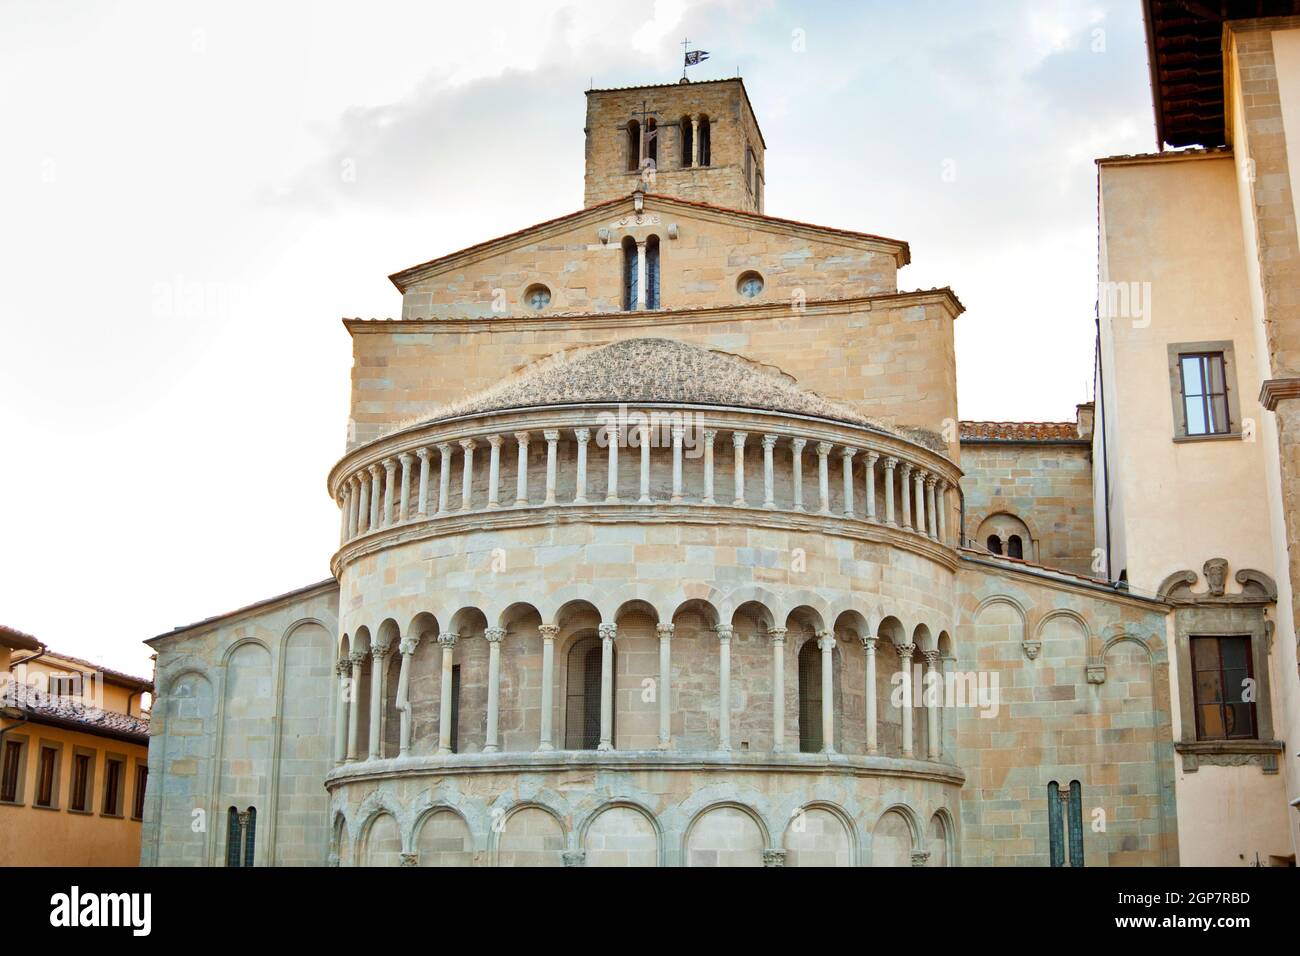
x=774 y=857
x=1032 y=649
x=1229 y=753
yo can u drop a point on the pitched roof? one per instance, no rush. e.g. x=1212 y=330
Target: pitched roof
x=404 y=277
x=649 y=370
x=74 y=714
x=117 y=677
x=1020 y=431
x=18 y=640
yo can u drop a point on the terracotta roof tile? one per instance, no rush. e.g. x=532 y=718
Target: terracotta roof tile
x=69 y=711
x=1019 y=431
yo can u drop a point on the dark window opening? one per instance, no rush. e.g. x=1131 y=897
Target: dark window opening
x=684 y=125
x=455 y=708
x=652 y=272
x=1015 y=547
x=1205 y=393
x=633 y=146
x=9 y=775
x=652 y=142
x=1222 y=672
x=582 y=710
x=45 y=777
x=141 y=781
x=994 y=544
x=1065 y=815
x=78 y=799
x=250 y=836
x=112 y=788
x=705 y=152
x=810 y=698
x=233 y=840
x=630 y=291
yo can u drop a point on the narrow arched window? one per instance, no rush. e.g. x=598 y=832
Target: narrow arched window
x=684 y=126
x=630 y=291
x=652 y=141
x=582 y=706
x=1065 y=824
x=234 y=841
x=1076 y=823
x=1015 y=547
x=705 y=154
x=994 y=544
x=633 y=145
x=1055 y=831
x=652 y=272
x=810 y=698
x=250 y=836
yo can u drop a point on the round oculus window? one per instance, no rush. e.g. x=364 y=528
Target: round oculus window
x=750 y=285
x=537 y=297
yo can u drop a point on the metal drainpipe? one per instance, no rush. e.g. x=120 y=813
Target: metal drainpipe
x=1105 y=454
x=24 y=718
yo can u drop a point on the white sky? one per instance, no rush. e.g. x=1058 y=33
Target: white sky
x=178 y=241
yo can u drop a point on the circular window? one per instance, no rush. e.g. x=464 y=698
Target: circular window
x=537 y=297
x=750 y=284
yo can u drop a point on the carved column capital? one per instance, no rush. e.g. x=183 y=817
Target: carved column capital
x=607 y=632
x=448 y=639
x=776 y=634
x=931 y=480
x=824 y=448
x=738 y=439
x=869 y=644
x=574 y=857
x=390 y=466
x=798 y=444
x=468 y=444
x=665 y=631
x=494 y=635
x=551 y=434
x=826 y=640
x=890 y=463
x=774 y=857
x=374 y=470
x=873 y=457
x=931 y=658
x=343 y=666
x=905 y=468
x=548 y=631
x=848 y=452
x=410 y=859
x=424 y=454
x=446 y=448
x=709 y=435
x=920 y=857
x=406 y=458
x=724 y=632
x=359 y=659
x=769 y=441
x=408 y=645
x=583 y=435
x=905 y=651
x=522 y=438
x=495 y=440
x=380 y=651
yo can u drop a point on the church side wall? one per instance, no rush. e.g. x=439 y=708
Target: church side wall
x=243 y=717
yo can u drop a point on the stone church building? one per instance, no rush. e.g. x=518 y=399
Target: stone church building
x=661 y=542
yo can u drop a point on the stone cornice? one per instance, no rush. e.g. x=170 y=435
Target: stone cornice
x=1275 y=390
x=640 y=514
x=260 y=607
x=1049 y=578
x=642 y=760
x=782 y=310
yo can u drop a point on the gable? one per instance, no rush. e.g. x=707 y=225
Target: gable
x=704 y=250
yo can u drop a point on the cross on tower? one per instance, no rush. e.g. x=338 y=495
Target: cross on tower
x=644 y=113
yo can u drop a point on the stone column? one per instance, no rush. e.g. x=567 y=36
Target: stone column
x=448 y=644
x=343 y=668
x=494 y=471
x=390 y=469
x=583 y=435
x=612 y=437
x=931 y=522
x=890 y=465
x=905 y=652
x=404 y=501
x=407 y=649
x=521 y=480
x=919 y=480
x=738 y=443
x=607 y=634
x=826 y=644
x=933 y=699
x=709 y=435
x=823 y=476
x=941 y=511
x=665 y=632
x=422 y=502
x=796 y=464
x=873 y=744
x=494 y=636
x=374 y=497
x=679 y=435
x=354 y=706
x=724 y=686
x=640 y=256
x=906 y=489
x=695 y=141
x=444 y=476
x=548 y=632
x=467 y=475
x=769 y=473
x=870 y=469
x=345 y=505
x=354 y=506
x=643 y=434
x=847 y=455
x=363 y=511
x=777 y=636
x=552 y=436
x=378 y=680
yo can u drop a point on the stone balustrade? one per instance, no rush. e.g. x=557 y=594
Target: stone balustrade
x=611 y=458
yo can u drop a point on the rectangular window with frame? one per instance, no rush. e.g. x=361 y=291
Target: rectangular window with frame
x=137 y=801
x=1222 y=675
x=47 y=778
x=113 y=787
x=12 y=771
x=82 y=772
x=1205 y=393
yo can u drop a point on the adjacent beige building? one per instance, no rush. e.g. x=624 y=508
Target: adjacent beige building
x=661 y=543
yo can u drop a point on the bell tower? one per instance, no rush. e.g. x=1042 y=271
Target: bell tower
x=692 y=140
